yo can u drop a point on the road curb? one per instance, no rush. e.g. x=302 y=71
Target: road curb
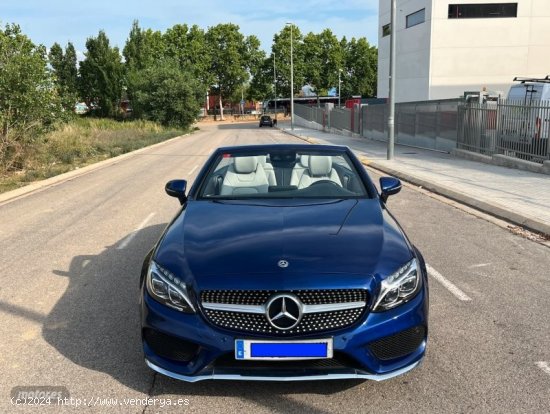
x=306 y=139
x=58 y=179
x=492 y=209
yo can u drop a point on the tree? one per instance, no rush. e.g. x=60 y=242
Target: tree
x=231 y=58
x=325 y=58
x=360 y=73
x=175 y=39
x=29 y=104
x=262 y=83
x=132 y=49
x=65 y=70
x=189 y=48
x=199 y=55
x=56 y=57
x=143 y=48
x=168 y=95
x=281 y=50
x=70 y=70
x=102 y=75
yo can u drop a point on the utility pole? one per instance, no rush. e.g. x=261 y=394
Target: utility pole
x=339 y=83
x=275 y=84
x=391 y=117
x=291 y=77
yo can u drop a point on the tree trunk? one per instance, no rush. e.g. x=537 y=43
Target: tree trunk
x=221 y=108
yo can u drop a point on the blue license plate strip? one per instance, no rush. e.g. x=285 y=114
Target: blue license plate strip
x=283 y=350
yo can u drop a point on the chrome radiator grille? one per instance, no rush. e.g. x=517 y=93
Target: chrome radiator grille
x=320 y=310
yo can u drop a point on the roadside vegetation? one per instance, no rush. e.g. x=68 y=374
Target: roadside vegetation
x=152 y=89
x=81 y=142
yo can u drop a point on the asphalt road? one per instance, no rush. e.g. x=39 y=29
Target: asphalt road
x=71 y=256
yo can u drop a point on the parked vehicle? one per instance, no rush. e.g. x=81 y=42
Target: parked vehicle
x=283 y=263
x=266 y=120
x=530 y=90
x=525 y=120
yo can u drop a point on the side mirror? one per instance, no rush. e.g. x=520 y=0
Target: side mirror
x=389 y=186
x=176 y=188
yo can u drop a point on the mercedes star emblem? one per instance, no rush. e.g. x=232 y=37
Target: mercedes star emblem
x=282 y=263
x=284 y=311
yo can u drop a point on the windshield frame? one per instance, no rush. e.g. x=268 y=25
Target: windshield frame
x=353 y=164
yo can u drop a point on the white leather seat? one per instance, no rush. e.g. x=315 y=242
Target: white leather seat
x=319 y=168
x=269 y=170
x=245 y=176
x=299 y=169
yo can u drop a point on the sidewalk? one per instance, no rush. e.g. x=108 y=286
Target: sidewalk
x=518 y=196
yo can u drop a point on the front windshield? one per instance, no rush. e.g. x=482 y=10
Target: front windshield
x=282 y=174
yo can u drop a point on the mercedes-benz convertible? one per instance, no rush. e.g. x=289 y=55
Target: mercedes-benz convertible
x=284 y=263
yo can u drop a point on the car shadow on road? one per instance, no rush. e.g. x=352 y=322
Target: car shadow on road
x=96 y=325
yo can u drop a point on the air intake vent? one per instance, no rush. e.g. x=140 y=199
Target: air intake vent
x=398 y=345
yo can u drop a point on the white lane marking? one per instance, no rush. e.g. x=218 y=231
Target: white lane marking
x=131 y=236
x=193 y=169
x=447 y=284
x=544 y=366
x=480 y=265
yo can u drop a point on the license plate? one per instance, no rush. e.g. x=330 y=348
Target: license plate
x=283 y=350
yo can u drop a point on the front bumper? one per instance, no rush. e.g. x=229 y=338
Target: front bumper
x=214 y=344
x=310 y=377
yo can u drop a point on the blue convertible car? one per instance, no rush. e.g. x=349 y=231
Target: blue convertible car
x=283 y=264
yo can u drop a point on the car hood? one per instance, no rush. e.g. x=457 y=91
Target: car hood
x=223 y=243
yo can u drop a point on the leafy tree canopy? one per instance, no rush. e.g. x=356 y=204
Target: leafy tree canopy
x=29 y=103
x=102 y=75
x=167 y=95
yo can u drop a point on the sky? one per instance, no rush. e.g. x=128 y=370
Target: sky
x=49 y=21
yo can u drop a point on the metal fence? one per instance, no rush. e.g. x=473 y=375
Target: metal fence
x=425 y=124
x=477 y=127
x=514 y=128
x=340 y=118
x=311 y=113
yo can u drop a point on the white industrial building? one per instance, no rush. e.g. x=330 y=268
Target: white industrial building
x=447 y=47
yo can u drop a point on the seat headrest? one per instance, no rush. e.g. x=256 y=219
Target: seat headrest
x=262 y=159
x=245 y=165
x=304 y=160
x=320 y=165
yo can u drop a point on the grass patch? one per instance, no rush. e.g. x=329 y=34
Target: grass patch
x=82 y=142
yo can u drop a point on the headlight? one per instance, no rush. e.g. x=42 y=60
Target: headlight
x=168 y=289
x=399 y=287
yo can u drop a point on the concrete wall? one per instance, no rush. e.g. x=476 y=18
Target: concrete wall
x=455 y=55
x=413 y=52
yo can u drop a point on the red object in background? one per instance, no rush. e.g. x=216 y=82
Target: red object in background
x=352 y=101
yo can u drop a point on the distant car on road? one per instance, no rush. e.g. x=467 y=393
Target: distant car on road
x=266 y=120
x=283 y=264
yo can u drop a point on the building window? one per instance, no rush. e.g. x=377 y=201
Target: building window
x=386 y=30
x=416 y=18
x=486 y=10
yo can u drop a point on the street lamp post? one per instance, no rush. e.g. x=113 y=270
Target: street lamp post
x=291 y=77
x=275 y=84
x=339 y=83
x=391 y=116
